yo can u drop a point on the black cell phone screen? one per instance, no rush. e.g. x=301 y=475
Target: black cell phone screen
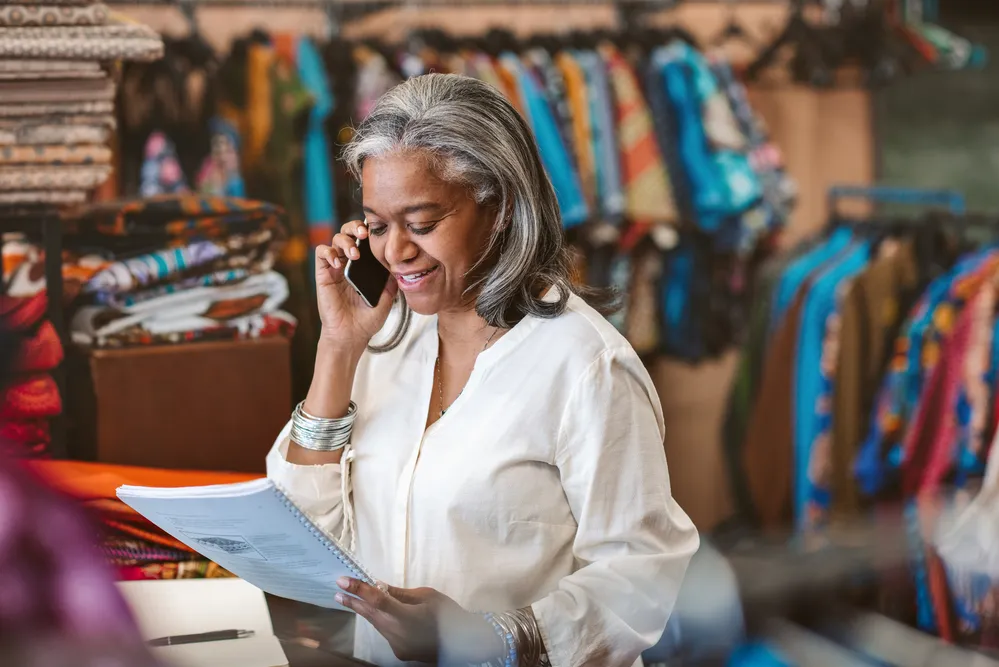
x=367 y=275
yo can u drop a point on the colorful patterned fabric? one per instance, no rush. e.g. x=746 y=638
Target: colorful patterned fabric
x=53 y=15
x=119 y=551
x=610 y=187
x=235 y=251
x=270 y=325
x=196 y=569
x=41 y=352
x=648 y=193
x=917 y=352
x=54 y=133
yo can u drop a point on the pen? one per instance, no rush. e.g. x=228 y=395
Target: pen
x=216 y=636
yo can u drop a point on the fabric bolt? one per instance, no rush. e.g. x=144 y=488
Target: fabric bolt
x=610 y=186
x=649 y=194
x=42 y=197
x=119 y=551
x=32 y=397
x=186 y=310
x=63 y=74
x=216 y=279
x=83 y=177
x=250 y=327
x=38 y=91
x=41 y=352
x=183 y=218
x=53 y=15
x=195 y=569
x=136 y=272
x=873 y=310
x=26 y=431
x=43 y=66
x=317 y=170
x=55 y=155
x=554 y=153
x=642 y=539
x=113 y=41
x=56 y=109
x=809 y=386
x=46 y=133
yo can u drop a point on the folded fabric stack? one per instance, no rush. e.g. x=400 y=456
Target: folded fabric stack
x=32 y=398
x=57 y=98
x=136 y=548
x=176 y=269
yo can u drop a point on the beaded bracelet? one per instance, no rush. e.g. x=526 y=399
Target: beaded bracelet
x=506 y=636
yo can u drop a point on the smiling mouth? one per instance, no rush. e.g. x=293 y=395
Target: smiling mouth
x=413 y=278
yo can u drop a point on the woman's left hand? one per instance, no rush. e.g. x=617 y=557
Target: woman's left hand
x=421 y=624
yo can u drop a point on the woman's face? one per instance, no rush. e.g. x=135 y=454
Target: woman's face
x=427 y=232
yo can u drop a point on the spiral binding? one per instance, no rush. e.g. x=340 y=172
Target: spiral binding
x=331 y=544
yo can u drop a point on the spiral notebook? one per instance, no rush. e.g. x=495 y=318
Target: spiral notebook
x=256 y=532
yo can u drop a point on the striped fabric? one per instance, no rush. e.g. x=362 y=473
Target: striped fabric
x=649 y=197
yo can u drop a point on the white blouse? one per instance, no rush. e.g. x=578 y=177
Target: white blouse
x=544 y=484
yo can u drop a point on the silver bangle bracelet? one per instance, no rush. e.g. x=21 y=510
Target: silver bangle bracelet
x=319 y=434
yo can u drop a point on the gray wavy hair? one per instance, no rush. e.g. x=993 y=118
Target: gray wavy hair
x=474 y=137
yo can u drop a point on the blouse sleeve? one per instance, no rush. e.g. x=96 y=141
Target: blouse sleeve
x=633 y=542
x=315 y=489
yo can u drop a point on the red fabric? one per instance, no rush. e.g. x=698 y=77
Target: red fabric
x=21 y=313
x=26 y=431
x=32 y=397
x=41 y=352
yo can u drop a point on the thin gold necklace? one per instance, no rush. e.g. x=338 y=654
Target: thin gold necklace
x=440 y=375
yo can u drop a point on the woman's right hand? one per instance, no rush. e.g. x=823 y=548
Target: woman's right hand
x=347 y=322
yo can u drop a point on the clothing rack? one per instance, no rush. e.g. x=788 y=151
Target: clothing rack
x=340 y=12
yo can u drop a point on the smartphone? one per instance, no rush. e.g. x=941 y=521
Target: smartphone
x=367 y=275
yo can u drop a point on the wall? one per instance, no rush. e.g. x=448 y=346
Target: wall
x=826 y=137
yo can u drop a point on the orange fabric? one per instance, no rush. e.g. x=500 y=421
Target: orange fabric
x=92 y=481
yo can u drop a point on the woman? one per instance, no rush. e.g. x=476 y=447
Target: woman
x=506 y=452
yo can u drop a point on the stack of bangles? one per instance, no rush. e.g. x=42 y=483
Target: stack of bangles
x=521 y=637
x=319 y=434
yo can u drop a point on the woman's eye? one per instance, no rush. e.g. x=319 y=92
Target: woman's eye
x=376 y=231
x=421 y=229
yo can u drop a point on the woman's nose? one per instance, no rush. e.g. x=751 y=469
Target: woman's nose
x=399 y=248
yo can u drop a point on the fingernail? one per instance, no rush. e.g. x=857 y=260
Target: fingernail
x=339 y=598
x=355 y=253
x=336 y=263
x=343 y=582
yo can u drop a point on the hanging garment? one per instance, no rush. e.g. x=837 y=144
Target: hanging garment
x=872 y=313
x=554 y=154
x=604 y=138
x=581 y=129
x=812 y=390
x=803 y=267
x=317 y=172
x=553 y=82
x=649 y=195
